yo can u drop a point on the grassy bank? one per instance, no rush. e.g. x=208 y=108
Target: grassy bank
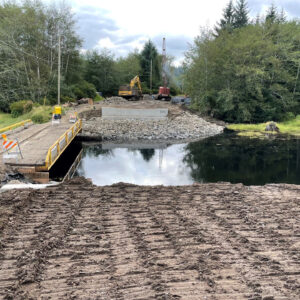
x=291 y=127
x=40 y=114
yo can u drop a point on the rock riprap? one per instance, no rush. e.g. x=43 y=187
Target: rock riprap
x=182 y=127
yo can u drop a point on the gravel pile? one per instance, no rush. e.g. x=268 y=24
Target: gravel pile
x=114 y=100
x=183 y=127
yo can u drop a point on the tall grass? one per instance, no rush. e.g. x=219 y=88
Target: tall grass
x=291 y=127
x=7 y=119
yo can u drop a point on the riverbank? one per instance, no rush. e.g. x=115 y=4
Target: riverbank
x=202 y=241
x=291 y=127
x=180 y=125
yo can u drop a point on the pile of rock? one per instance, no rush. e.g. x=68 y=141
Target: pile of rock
x=147 y=97
x=114 y=100
x=183 y=127
x=85 y=101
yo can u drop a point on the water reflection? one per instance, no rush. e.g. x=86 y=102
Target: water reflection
x=140 y=166
x=252 y=162
x=147 y=154
x=222 y=158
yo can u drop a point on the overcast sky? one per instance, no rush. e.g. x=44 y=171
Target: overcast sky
x=124 y=25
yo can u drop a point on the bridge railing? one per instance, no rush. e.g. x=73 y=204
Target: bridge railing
x=13 y=126
x=61 y=144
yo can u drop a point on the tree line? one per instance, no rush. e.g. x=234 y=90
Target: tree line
x=29 y=37
x=246 y=70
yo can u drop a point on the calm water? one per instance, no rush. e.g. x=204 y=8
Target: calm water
x=221 y=158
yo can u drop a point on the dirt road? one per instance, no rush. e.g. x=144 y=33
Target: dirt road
x=210 y=241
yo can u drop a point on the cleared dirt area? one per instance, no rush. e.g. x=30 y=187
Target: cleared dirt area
x=205 y=241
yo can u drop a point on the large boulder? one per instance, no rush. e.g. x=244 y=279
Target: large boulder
x=272 y=126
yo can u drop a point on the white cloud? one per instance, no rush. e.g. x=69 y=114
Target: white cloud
x=106 y=43
x=157 y=17
x=130 y=166
x=123 y=26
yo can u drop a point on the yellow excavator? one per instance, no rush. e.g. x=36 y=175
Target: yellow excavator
x=133 y=91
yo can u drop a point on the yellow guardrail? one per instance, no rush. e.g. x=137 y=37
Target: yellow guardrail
x=15 y=125
x=60 y=145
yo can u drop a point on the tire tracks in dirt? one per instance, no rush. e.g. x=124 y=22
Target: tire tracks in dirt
x=205 y=241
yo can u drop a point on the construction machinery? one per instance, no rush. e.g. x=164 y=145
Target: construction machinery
x=164 y=91
x=133 y=91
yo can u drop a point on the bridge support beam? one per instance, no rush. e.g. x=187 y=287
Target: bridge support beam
x=31 y=173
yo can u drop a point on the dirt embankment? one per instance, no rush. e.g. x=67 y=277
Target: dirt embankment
x=205 y=241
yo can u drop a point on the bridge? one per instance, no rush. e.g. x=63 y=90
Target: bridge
x=41 y=145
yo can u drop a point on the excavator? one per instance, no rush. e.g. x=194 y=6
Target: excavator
x=133 y=91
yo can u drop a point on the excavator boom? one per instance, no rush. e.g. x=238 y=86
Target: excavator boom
x=136 y=80
x=130 y=91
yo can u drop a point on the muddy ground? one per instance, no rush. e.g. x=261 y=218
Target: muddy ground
x=205 y=241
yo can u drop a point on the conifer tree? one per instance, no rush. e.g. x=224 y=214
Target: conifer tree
x=241 y=17
x=282 y=16
x=227 y=20
x=272 y=14
x=148 y=54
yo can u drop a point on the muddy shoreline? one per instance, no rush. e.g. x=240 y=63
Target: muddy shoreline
x=203 y=241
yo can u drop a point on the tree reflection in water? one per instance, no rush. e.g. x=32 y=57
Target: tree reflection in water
x=225 y=157
x=147 y=154
x=239 y=159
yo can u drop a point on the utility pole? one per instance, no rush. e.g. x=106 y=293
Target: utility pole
x=151 y=76
x=58 y=71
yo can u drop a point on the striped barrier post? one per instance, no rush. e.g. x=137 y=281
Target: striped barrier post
x=9 y=145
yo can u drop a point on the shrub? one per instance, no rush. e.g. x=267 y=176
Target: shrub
x=145 y=88
x=288 y=116
x=38 y=118
x=65 y=99
x=84 y=89
x=98 y=98
x=43 y=101
x=19 y=108
x=174 y=90
x=41 y=117
x=28 y=106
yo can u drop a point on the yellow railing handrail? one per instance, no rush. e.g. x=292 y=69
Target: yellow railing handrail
x=75 y=129
x=10 y=127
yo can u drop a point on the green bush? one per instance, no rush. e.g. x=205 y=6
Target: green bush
x=65 y=99
x=84 y=89
x=16 y=109
x=288 y=116
x=20 y=107
x=28 y=106
x=42 y=101
x=174 y=90
x=98 y=98
x=40 y=117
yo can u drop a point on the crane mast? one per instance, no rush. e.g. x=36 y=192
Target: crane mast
x=164 y=91
x=164 y=61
